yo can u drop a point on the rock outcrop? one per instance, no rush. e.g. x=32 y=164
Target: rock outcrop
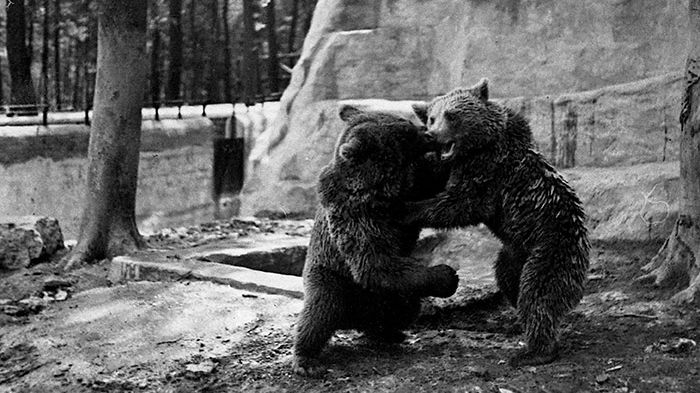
x=415 y=49
x=27 y=238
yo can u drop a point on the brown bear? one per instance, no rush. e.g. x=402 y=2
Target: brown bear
x=496 y=178
x=358 y=272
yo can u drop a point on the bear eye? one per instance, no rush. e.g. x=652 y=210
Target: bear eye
x=431 y=120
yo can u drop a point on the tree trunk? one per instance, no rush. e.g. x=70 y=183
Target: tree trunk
x=108 y=226
x=45 y=55
x=172 y=89
x=227 y=54
x=291 y=38
x=76 y=77
x=57 y=52
x=273 y=76
x=214 y=58
x=248 y=71
x=195 y=63
x=677 y=264
x=155 y=66
x=21 y=87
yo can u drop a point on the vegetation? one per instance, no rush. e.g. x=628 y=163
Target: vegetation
x=196 y=50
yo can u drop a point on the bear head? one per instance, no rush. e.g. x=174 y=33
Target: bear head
x=374 y=156
x=463 y=120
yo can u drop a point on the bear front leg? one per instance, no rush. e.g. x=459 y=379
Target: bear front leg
x=443 y=211
x=323 y=313
x=402 y=276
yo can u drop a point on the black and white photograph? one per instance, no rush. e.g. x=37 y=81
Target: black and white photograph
x=339 y=196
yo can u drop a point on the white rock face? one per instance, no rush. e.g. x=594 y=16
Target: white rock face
x=538 y=50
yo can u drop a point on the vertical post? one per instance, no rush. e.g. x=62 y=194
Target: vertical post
x=273 y=61
x=45 y=115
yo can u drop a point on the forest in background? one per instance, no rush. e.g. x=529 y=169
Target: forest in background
x=199 y=51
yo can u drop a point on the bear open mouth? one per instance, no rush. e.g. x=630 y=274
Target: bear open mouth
x=447 y=151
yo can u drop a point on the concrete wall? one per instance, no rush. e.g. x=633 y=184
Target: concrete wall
x=43 y=173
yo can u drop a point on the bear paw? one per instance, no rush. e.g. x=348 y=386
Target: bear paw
x=527 y=357
x=308 y=367
x=444 y=281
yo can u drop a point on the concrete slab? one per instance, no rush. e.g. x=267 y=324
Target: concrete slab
x=274 y=253
x=160 y=268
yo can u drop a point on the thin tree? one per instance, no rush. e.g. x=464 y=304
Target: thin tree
x=677 y=264
x=172 y=87
x=45 y=55
x=108 y=224
x=273 y=60
x=57 y=52
x=227 y=53
x=248 y=71
x=291 y=38
x=19 y=58
x=155 y=65
x=214 y=54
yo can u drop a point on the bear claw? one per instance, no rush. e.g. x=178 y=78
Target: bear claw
x=526 y=357
x=308 y=367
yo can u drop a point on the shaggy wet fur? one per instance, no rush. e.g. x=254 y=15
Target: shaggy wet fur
x=496 y=178
x=358 y=273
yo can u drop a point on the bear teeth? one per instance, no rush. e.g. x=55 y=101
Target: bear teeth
x=446 y=155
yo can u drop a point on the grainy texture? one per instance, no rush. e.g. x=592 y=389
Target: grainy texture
x=497 y=179
x=358 y=273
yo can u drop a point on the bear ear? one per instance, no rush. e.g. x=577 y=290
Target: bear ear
x=347 y=112
x=421 y=110
x=350 y=150
x=481 y=89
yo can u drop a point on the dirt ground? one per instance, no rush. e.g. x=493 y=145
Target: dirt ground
x=619 y=339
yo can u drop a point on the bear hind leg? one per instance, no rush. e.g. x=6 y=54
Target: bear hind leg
x=549 y=289
x=508 y=268
x=323 y=313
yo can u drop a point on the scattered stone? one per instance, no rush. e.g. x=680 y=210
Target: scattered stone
x=478 y=371
x=197 y=370
x=60 y=296
x=4 y=302
x=614 y=368
x=52 y=284
x=504 y=390
x=613 y=296
x=27 y=238
x=678 y=346
x=602 y=378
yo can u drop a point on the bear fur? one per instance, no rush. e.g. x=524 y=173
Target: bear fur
x=496 y=178
x=358 y=272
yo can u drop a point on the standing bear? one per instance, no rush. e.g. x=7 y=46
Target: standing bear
x=358 y=272
x=496 y=178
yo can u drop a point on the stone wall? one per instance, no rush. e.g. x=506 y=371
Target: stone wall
x=559 y=57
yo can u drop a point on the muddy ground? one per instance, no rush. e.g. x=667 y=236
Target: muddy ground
x=619 y=339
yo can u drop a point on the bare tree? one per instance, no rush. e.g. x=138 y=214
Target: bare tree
x=227 y=53
x=108 y=225
x=57 y=52
x=273 y=61
x=172 y=88
x=19 y=56
x=677 y=264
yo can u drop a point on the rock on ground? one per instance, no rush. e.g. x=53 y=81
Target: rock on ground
x=26 y=238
